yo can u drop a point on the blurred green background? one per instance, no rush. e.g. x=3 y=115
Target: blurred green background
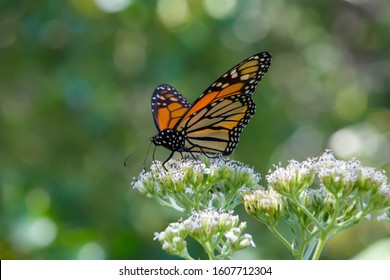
x=76 y=79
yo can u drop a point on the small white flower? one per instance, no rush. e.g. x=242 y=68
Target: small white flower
x=177 y=239
x=383 y=217
x=231 y=236
x=249 y=237
x=166 y=246
x=385 y=190
x=245 y=243
x=189 y=191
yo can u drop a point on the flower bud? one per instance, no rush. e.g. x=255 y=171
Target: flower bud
x=265 y=205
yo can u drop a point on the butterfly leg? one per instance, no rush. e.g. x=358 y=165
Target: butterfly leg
x=204 y=153
x=170 y=156
x=195 y=157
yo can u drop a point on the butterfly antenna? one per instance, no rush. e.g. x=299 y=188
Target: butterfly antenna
x=147 y=155
x=126 y=159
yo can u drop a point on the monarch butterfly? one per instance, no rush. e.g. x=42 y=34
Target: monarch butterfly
x=214 y=122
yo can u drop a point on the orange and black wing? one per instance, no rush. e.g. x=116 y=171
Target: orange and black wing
x=168 y=106
x=214 y=122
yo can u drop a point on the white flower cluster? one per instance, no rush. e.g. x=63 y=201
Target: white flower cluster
x=216 y=229
x=344 y=177
x=293 y=178
x=173 y=239
x=190 y=183
x=174 y=169
x=323 y=186
x=338 y=176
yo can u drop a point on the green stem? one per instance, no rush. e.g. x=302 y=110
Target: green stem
x=310 y=248
x=188 y=204
x=324 y=232
x=281 y=238
x=207 y=246
x=169 y=204
x=301 y=247
x=187 y=256
x=209 y=250
x=229 y=201
x=320 y=247
x=201 y=195
x=216 y=243
x=307 y=212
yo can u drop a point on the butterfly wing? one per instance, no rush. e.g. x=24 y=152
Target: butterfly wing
x=214 y=122
x=168 y=106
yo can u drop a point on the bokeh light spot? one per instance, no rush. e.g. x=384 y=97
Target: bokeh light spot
x=173 y=13
x=112 y=6
x=29 y=234
x=219 y=9
x=37 y=201
x=345 y=143
x=359 y=140
x=351 y=103
x=307 y=140
x=91 y=251
x=251 y=26
x=87 y=8
x=323 y=56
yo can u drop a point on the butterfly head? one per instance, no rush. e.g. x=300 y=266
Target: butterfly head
x=170 y=139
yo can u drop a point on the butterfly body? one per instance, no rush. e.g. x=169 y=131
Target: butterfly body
x=170 y=139
x=213 y=123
